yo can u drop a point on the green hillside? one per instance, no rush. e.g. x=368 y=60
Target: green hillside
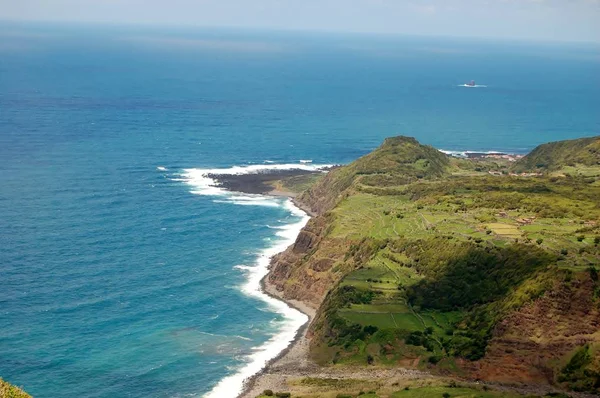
x=581 y=153
x=432 y=265
x=399 y=160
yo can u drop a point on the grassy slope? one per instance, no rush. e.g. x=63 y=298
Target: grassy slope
x=9 y=391
x=435 y=262
x=563 y=155
x=399 y=160
x=355 y=388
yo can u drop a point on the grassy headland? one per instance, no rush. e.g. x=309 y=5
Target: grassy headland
x=457 y=267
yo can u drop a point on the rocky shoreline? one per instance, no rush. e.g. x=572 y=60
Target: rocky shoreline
x=261 y=183
x=294 y=357
x=293 y=363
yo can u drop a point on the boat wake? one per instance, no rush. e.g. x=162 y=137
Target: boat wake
x=472 y=85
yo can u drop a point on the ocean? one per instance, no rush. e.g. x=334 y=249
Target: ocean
x=123 y=273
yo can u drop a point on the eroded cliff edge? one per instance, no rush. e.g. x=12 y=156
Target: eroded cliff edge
x=457 y=267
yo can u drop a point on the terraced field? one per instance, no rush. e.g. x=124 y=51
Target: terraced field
x=389 y=217
x=472 y=220
x=390 y=310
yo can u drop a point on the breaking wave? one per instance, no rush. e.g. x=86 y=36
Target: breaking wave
x=285 y=235
x=203 y=184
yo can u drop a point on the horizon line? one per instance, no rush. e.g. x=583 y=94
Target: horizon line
x=331 y=32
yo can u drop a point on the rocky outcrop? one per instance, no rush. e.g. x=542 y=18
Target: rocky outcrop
x=304 y=271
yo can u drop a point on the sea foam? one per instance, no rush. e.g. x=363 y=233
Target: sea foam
x=203 y=184
x=232 y=385
x=465 y=154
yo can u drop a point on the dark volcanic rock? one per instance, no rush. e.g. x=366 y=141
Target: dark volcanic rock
x=257 y=183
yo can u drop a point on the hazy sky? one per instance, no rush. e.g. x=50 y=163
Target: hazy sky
x=526 y=19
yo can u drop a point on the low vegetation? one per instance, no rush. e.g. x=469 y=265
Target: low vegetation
x=555 y=156
x=9 y=391
x=440 y=253
x=336 y=388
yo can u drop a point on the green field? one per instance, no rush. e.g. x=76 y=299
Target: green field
x=438 y=251
x=448 y=221
x=457 y=392
x=482 y=219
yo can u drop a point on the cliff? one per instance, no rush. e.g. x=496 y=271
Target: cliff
x=412 y=262
x=316 y=262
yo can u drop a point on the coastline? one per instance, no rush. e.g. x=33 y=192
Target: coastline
x=293 y=362
x=295 y=353
x=255 y=185
x=297 y=350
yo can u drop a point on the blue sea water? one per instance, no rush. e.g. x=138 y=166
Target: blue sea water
x=121 y=274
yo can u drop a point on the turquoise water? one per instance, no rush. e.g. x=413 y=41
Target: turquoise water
x=121 y=273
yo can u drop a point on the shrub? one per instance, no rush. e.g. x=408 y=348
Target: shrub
x=434 y=359
x=539 y=241
x=564 y=252
x=446 y=395
x=580 y=238
x=597 y=240
x=268 y=393
x=593 y=273
x=489 y=231
x=370 y=329
x=575 y=371
x=283 y=395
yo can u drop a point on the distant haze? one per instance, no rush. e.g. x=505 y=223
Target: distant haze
x=563 y=20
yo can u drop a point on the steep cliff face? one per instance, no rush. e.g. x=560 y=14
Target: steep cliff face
x=315 y=263
x=534 y=343
x=296 y=273
x=493 y=278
